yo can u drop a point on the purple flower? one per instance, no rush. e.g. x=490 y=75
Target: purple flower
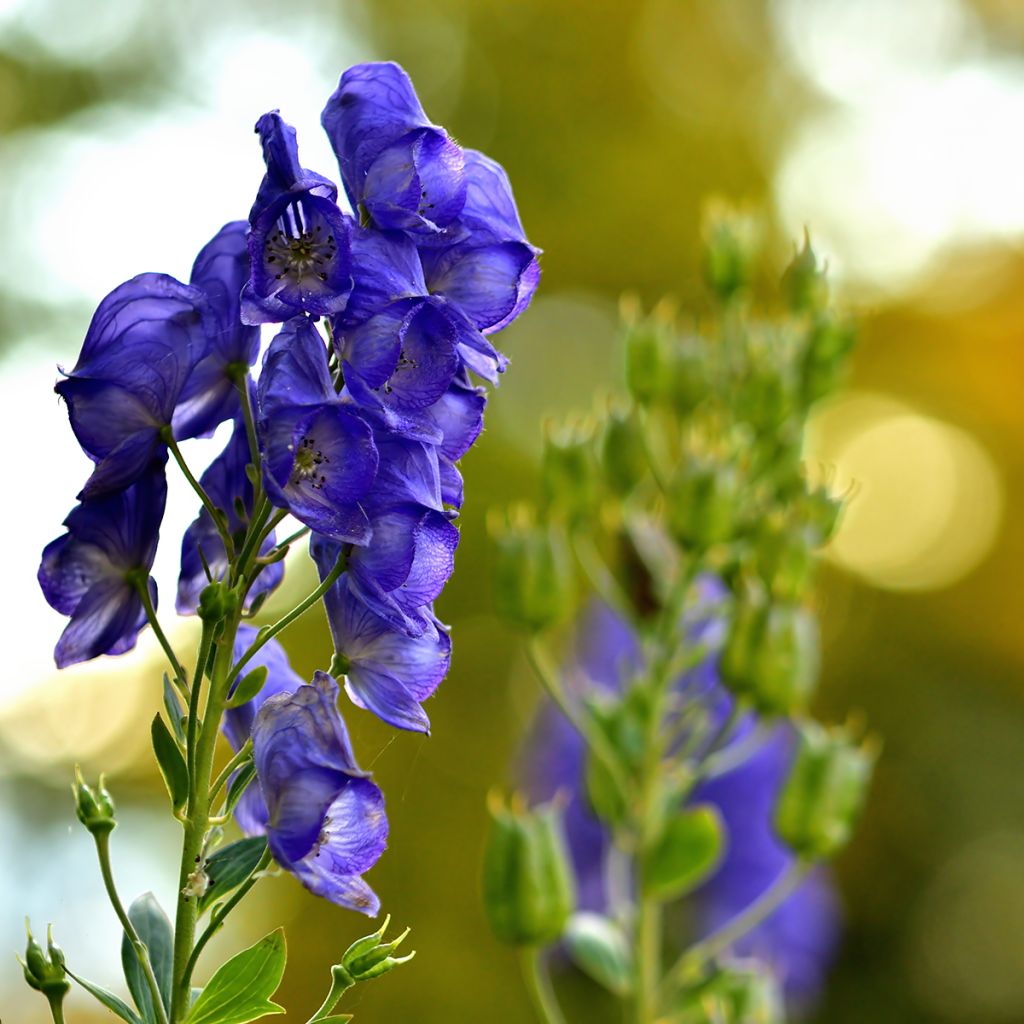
x=798 y=940
x=230 y=489
x=143 y=342
x=319 y=457
x=403 y=170
x=299 y=243
x=210 y=395
x=93 y=572
x=326 y=822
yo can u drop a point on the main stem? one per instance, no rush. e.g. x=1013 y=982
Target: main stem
x=197 y=816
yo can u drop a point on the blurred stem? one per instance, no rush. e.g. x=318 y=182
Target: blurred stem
x=713 y=945
x=141 y=950
x=538 y=983
x=647 y=955
x=167 y=436
x=723 y=761
x=601 y=578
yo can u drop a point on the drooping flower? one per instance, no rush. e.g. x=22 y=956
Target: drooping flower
x=143 y=342
x=326 y=822
x=94 y=571
x=798 y=940
x=210 y=395
x=319 y=457
x=404 y=171
x=229 y=488
x=299 y=243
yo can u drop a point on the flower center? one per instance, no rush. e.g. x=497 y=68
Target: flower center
x=404 y=363
x=308 y=462
x=297 y=251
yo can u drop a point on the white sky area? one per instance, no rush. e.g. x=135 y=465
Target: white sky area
x=919 y=146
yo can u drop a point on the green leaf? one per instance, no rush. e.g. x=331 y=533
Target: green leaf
x=335 y=1018
x=108 y=999
x=230 y=867
x=240 y=990
x=155 y=931
x=248 y=686
x=175 y=712
x=237 y=786
x=599 y=949
x=171 y=762
x=687 y=853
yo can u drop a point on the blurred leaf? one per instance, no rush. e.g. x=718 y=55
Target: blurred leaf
x=599 y=949
x=154 y=929
x=687 y=853
x=240 y=990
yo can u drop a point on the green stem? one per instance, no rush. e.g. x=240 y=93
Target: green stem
x=266 y=634
x=56 y=1007
x=141 y=950
x=647 y=953
x=217 y=919
x=180 y=679
x=730 y=757
x=538 y=983
x=215 y=513
x=244 y=754
x=341 y=982
x=713 y=945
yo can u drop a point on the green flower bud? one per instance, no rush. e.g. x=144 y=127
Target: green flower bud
x=705 y=501
x=569 y=479
x=688 y=374
x=94 y=807
x=786 y=560
x=599 y=949
x=370 y=956
x=804 y=283
x=825 y=791
x=731 y=245
x=529 y=889
x=215 y=602
x=648 y=360
x=822 y=511
x=44 y=970
x=534 y=584
x=829 y=343
x=740 y=993
x=623 y=457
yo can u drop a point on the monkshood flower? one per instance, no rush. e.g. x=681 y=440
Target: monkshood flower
x=325 y=818
x=143 y=342
x=386 y=670
x=299 y=242
x=404 y=171
x=798 y=940
x=95 y=571
x=319 y=456
x=210 y=395
x=229 y=488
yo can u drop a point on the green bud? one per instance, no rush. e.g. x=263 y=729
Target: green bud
x=599 y=949
x=94 y=807
x=731 y=244
x=706 y=500
x=786 y=560
x=822 y=511
x=44 y=969
x=648 y=347
x=569 y=479
x=528 y=884
x=804 y=283
x=688 y=374
x=766 y=389
x=825 y=791
x=534 y=584
x=829 y=343
x=215 y=602
x=623 y=457
x=741 y=993
x=370 y=956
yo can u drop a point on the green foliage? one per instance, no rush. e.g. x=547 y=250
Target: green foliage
x=240 y=990
x=598 y=947
x=154 y=929
x=230 y=866
x=687 y=853
x=248 y=687
x=113 y=1003
x=171 y=762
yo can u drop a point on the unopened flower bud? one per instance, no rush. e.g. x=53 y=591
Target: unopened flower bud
x=529 y=889
x=785 y=559
x=731 y=244
x=822 y=511
x=370 y=956
x=534 y=585
x=94 y=807
x=829 y=343
x=741 y=993
x=623 y=457
x=688 y=374
x=598 y=947
x=824 y=792
x=804 y=283
x=648 y=360
x=569 y=478
x=706 y=501
x=44 y=969
x=215 y=602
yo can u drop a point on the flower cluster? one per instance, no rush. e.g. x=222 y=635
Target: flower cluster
x=363 y=406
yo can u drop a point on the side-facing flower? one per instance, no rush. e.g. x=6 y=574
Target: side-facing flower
x=404 y=171
x=144 y=340
x=319 y=456
x=210 y=395
x=326 y=822
x=229 y=488
x=299 y=242
x=95 y=571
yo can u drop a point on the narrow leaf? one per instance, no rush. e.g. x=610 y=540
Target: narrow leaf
x=230 y=867
x=171 y=762
x=686 y=855
x=155 y=931
x=175 y=712
x=108 y=999
x=240 y=990
x=237 y=786
x=249 y=685
x=335 y=1018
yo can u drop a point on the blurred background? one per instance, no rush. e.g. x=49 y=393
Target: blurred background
x=894 y=131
